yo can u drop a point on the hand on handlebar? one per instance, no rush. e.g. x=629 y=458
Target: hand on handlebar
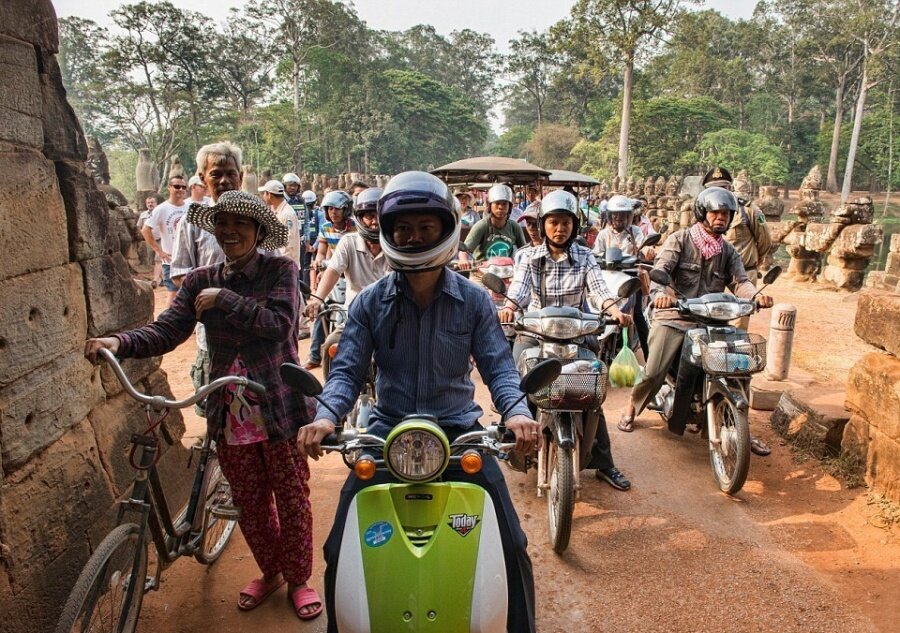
x=507 y=315
x=312 y=308
x=309 y=439
x=527 y=432
x=94 y=345
x=663 y=301
x=764 y=301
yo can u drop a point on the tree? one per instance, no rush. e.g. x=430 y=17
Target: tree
x=80 y=62
x=551 y=145
x=531 y=63
x=628 y=26
x=246 y=59
x=512 y=142
x=739 y=149
x=874 y=25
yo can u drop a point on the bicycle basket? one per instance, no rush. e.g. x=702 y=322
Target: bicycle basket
x=571 y=392
x=744 y=355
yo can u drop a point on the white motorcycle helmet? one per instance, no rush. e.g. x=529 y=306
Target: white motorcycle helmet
x=418 y=192
x=620 y=204
x=339 y=199
x=500 y=193
x=559 y=201
x=290 y=177
x=309 y=197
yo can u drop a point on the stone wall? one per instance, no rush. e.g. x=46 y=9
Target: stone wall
x=64 y=425
x=873 y=393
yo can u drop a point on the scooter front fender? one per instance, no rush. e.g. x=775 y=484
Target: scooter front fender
x=562 y=425
x=717 y=385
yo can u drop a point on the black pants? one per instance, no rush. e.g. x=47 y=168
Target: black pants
x=519 y=576
x=643 y=329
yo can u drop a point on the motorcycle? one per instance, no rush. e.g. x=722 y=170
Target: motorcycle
x=401 y=537
x=711 y=378
x=569 y=409
x=618 y=269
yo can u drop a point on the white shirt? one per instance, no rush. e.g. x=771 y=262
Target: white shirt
x=287 y=216
x=627 y=240
x=353 y=259
x=165 y=219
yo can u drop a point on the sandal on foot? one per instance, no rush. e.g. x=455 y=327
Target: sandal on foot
x=759 y=447
x=626 y=423
x=257 y=590
x=306 y=597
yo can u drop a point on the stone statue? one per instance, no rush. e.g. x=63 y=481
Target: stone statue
x=97 y=161
x=176 y=168
x=146 y=179
x=251 y=180
x=660 y=187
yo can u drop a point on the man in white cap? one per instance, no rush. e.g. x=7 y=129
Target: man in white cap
x=197 y=191
x=273 y=195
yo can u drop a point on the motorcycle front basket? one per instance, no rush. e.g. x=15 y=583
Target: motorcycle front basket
x=745 y=354
x=571 y=392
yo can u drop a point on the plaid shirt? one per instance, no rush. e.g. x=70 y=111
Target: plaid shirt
x=255 y=315
x=568 y=281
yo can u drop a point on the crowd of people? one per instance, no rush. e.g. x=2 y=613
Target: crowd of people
x=248 y=275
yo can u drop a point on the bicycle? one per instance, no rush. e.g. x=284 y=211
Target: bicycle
x=110 y=590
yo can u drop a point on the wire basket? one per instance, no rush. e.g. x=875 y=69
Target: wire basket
x=571 y=392
x=744 y=355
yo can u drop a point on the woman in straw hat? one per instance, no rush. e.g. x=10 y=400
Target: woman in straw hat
x=249 y=307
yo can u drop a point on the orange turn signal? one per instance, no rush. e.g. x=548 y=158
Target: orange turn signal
x=470 y=462
x=332 y=350
x=364 y=468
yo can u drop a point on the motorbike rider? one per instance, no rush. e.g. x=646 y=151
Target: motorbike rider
x=358 y=255
x=529 y=220
x=423 y=322
x=338 y=206
x=495 y=235
x=621 y=233
x=561 y=272
x=700 y=261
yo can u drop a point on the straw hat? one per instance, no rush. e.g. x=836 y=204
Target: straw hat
x=241 y=203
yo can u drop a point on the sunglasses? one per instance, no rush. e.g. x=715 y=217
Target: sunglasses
x=178 y=186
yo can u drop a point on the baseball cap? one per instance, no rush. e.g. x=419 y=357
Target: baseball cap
x=195 y=180
x=273 y=186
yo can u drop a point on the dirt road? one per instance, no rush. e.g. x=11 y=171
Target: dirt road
x=795 y=551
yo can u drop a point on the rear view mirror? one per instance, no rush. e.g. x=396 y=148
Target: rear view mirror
x=657 y=275
x=494 y=283
x=541 y=375
x=300 y=380
x=771 y=275
x=652 y=240
x=629 y=287
x=581 y=241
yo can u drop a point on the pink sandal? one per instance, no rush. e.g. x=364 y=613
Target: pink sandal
x=305 y=597
x=257 y=590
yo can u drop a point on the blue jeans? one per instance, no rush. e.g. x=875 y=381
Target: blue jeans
x=316 y=342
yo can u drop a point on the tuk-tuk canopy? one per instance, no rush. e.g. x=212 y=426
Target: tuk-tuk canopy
x=561 y=178
x=491 y=169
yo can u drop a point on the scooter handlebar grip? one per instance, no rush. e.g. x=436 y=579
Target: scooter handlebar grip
x=256 y=387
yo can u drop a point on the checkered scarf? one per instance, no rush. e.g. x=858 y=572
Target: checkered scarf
x=709 y=245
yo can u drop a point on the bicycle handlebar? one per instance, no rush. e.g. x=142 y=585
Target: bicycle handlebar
x=159 y=402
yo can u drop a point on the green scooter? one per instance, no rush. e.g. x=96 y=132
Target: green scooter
x=404 y=541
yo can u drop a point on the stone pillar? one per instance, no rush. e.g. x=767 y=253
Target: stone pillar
x=781 y=341
x=146 y=178
x=251 y=181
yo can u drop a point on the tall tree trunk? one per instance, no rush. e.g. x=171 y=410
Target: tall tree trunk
x=295 y=85
x=628 y=85
x=854 y=137
x=831 y=183
x=790 y=144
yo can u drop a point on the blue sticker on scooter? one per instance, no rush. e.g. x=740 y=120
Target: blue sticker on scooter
x=379 y=533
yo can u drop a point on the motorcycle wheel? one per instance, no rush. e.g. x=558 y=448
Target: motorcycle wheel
x=560 y=496
x=730 y=457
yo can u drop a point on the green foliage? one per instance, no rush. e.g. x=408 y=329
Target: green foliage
x=512 y=142
x=737 y=149
x=551 y=146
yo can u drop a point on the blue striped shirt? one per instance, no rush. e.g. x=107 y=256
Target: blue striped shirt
x=423 y=355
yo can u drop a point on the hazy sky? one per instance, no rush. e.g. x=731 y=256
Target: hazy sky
x=501 y=18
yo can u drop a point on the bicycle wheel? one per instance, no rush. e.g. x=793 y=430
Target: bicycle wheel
x=108 y=594
x=561 y=497
x=215 y=530
x=730 y=456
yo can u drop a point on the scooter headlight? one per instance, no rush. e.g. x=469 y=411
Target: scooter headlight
x=722 y=310
x=561 y=327
x=416 y=451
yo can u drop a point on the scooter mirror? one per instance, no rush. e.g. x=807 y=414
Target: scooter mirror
x=773 y=273
x=613 y=255
x=660 y=276
x=541 y=375
x=581 y=241
x=652 y=240
x=300 y=380
x=494 y=283
x=629 y=287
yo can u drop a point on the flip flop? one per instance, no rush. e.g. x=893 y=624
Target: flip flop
x=257 y=590
x=626 y=423
x=759 y=447
x=305 y=597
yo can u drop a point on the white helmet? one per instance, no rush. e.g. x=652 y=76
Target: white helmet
x=308 y=197
x=559 y=201
x=290 y=177
x=500 y=193
x=418 y=192
x=620 y=204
